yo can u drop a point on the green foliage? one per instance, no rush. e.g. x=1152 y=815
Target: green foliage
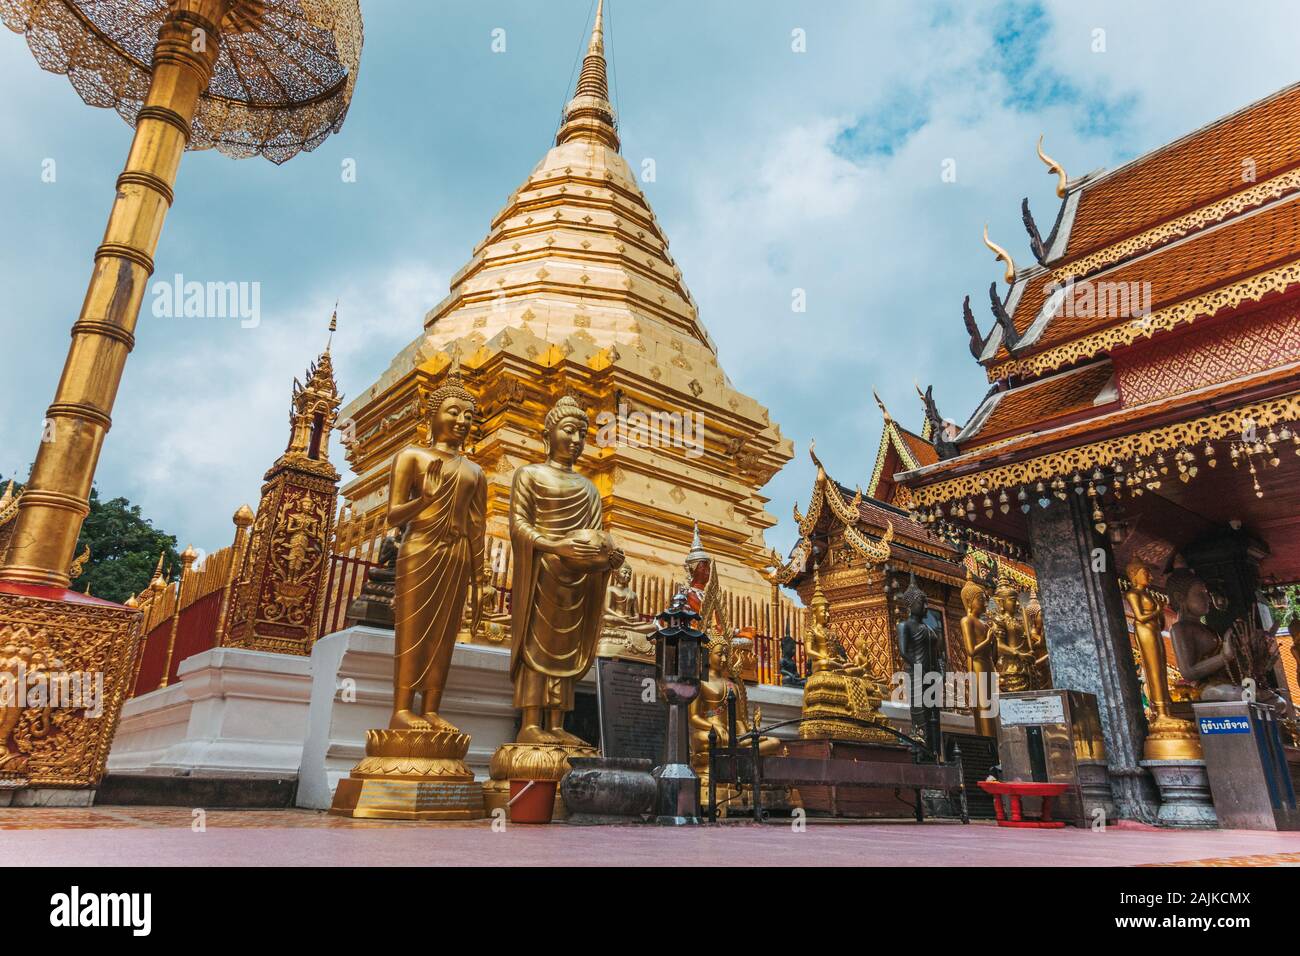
x=1287 y=605
x=124 y=548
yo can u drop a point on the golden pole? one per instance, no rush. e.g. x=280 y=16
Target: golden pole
x=57 y=496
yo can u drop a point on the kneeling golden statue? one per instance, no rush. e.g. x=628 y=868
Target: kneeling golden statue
x=415 y=769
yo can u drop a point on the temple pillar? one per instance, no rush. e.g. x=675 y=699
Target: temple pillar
x=1088 y=641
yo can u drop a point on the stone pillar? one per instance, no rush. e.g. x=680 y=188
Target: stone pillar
x=1088 y=642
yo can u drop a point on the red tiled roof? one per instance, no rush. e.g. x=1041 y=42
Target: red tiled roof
x=921 y=449
x=1214 y=258
x=1043 y=400
x=1108 y=424
x=1198 y=169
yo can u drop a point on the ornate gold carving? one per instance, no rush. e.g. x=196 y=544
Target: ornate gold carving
x=85 y=652
x=1228 y=424
x=1162 y=320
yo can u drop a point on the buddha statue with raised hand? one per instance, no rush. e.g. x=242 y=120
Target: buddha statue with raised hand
x=438 y=496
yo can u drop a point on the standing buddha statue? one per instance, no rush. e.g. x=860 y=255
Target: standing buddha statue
x=981 y=650
x=563 y=559
x=1007 y=626
x=415 y=768
x=1168 y=737
x=923 y=652
x=1037 y=637
x=438 y=498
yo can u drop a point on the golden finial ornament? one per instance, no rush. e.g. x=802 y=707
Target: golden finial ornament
x=881 y=405
x=1053 y=166
x=243 y=517
x=1003 y=256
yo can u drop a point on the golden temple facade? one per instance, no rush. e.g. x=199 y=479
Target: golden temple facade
x=574 y=291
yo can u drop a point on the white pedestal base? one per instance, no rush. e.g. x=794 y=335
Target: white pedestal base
x=233 y=713
x=352 y=692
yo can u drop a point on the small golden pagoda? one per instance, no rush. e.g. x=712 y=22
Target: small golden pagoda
x=275 y=600
x=574 y=291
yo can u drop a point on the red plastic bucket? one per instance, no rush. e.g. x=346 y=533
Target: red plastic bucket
x=531 y=801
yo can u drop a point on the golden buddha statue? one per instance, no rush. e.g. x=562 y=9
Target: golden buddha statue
x=823 y=651
x=840 y=699
x=623 y=631
x=1016 y=660
x=981 y=650
x=415 y=768
x=562 y=563
x=563 y=559
x=1037 y=637
x=1168 y=737
x=438 y=496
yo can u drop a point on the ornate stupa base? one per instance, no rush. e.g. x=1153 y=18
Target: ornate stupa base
x=836 y=705
x=529 y=762
x=411 y=775
x=1170 y=738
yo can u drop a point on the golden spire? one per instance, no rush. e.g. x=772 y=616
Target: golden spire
x=1054 y=167
x=589 y=115
x=8 y=496
x=334 y=327
x=1003 y=255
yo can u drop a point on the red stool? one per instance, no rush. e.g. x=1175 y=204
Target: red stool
x=1016 y=790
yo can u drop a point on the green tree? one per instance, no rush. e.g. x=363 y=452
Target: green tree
x=124 y=548
x=1287 y=605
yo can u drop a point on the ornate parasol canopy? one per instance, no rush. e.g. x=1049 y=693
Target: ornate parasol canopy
x=281 y=84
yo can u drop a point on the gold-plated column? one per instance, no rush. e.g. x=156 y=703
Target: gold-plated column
x=243 y=518
x=56 y=499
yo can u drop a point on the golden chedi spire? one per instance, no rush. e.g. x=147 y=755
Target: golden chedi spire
x=573 y=289
x=590 y=115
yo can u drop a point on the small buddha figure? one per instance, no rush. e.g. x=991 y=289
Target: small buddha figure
x=791 y=675
x=563 y=560
x=1033 y=614
x=981 y=651
x=438 y=497
x=709 y=710
x=1016 y=658
x=923 y=653
x=374 y=605
x=1215 y=663
x=823 y=651
x=840 y=700
x=623 y=608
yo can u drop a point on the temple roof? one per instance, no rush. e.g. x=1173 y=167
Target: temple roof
x=1198 y=226
x=1039 y=404
x=1189 y=172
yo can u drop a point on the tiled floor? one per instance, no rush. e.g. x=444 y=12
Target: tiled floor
x=171 y=836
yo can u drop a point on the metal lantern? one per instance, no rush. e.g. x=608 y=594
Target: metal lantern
x=680 y=666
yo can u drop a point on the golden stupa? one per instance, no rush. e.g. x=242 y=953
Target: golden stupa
x=574 y=291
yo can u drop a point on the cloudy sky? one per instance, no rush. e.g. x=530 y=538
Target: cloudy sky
x=820 y=170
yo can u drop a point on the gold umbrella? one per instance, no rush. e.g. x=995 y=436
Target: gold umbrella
x=245 y=76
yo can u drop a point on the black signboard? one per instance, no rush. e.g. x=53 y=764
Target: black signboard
x=633 y=715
